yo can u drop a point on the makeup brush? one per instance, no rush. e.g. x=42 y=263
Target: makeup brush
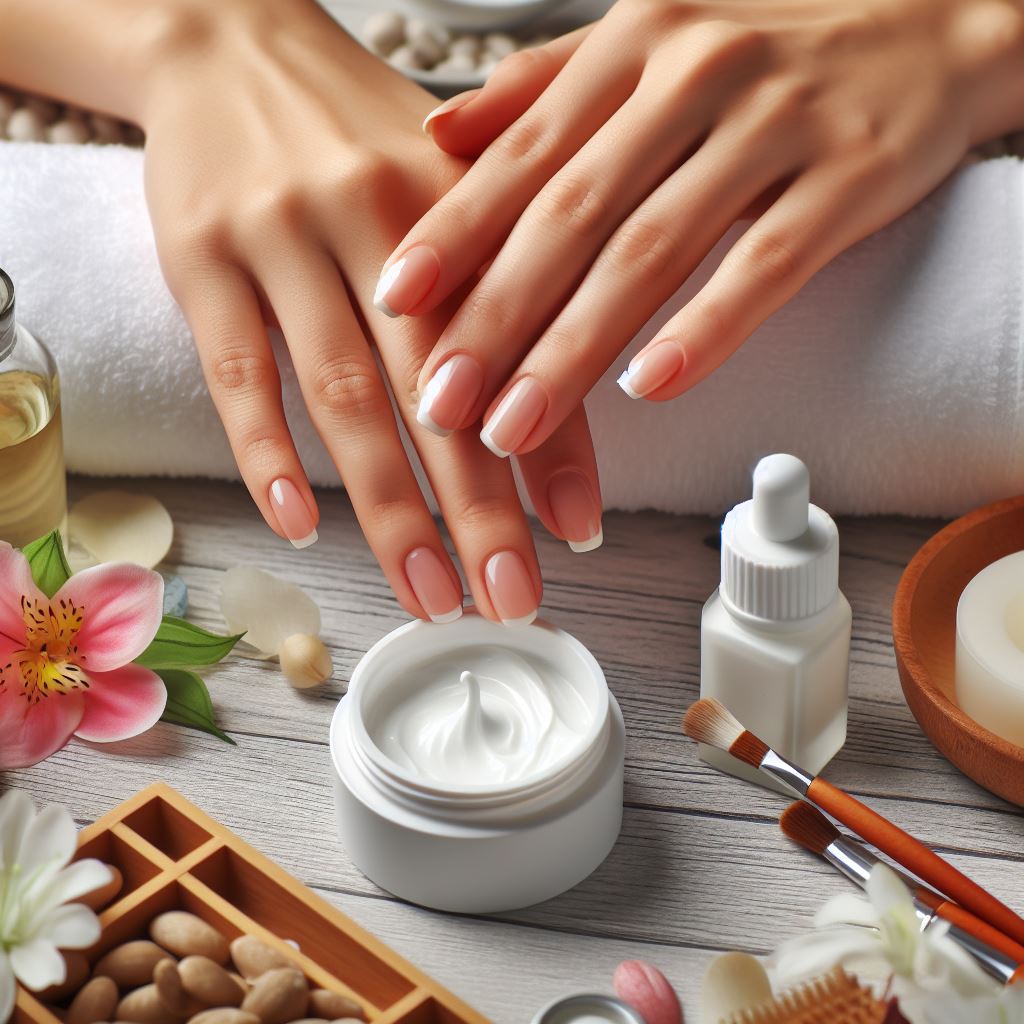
x=997 y=955
x=710 y=722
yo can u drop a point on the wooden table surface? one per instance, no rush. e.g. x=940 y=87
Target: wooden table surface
x=700 y=866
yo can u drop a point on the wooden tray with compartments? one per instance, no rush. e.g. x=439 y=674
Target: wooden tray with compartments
x=174 y=857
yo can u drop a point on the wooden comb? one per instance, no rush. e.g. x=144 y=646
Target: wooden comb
x=837 y=998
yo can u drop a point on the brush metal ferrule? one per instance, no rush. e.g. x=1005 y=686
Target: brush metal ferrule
x=994 y=963
x=788 y=774
x=851 y=859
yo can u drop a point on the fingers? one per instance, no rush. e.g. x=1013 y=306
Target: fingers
x=821 y=214
x=561 y=478
x=467 y=124
x=224 y=315
x=548 y=252
x=351 y=409
x=464 y=229
x=644 y=263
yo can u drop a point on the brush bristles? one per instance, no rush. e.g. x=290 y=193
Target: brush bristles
x=807 y=826
x=710 y=722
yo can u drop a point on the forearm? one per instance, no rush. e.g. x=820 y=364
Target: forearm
x=105 y=54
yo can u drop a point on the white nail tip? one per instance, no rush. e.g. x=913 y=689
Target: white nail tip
x=623 y=383
x=304 y=542
x=384 y=308
x=452 y=616
x=500 y=452
x=523 y=620
x=582 y=546
x=430 y=117
x=384 y=285
x=423 y=418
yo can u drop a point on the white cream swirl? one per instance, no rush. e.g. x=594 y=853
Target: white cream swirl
x=500 y=721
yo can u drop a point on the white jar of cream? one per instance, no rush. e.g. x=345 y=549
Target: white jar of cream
x=478 y=767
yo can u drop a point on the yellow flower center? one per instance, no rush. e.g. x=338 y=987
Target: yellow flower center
x=49 y=663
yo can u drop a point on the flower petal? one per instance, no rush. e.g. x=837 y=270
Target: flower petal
x=71 y=927
x=38 y=965
x=122 y=606
x=267 y=610
x=847 y=909
x=50 y=839
x=77 y=880
x=16 y=812
x=7 y=988
x=15 y=582
x=887 y=891
x=29 y=733
x=122 y=704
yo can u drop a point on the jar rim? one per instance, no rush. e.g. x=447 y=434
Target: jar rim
x=6 y=314
x=419 y=790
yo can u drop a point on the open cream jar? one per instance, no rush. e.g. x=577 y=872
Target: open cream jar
x=478 y=767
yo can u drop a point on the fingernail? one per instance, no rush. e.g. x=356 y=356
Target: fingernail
x=516 y=416
x=576 y=510
x=448 y=107
x=450 y=394
x=511 y=589
x=292 y=514
x=650 y=369
x=407 y=281
x=433 y=586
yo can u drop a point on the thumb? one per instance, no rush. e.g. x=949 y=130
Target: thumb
x=468 y=123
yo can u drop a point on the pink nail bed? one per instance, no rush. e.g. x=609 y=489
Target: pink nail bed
x=515 y=418
x=450 y=394
x=407 y=282
x=433 y=585
x=292 y=514
x=576 y=510
x=511 y=589
x=651 y=368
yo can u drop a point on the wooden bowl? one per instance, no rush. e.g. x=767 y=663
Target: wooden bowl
x=924 y=634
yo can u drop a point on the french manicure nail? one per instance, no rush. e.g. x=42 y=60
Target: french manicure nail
x=511 y=589
x=407 y=282
x=516 y=416
x=292 y=514
x=449 y=107
x=450 y=394
x=649 y=369
x=433 y=586
x=576 y=510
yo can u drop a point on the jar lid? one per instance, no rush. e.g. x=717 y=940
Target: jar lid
x=6 y=314
x=588 y=1008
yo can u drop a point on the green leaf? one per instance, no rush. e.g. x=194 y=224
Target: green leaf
x=179 y=644
x=189 y=704
x=50 y=568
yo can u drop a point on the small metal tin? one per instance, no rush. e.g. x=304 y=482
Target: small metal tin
x=588 y=1007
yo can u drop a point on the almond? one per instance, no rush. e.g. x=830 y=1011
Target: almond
x=224 y=1015
x=131 y=964
x=208 y=982
x=185 y=934
x=278 y=997
x=254 y=957
x=96 y=1001
x=144 y=1006
x=333 y=1005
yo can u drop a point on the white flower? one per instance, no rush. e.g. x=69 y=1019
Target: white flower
x=883 y=931
x=1006 y=1007
x=36 y=885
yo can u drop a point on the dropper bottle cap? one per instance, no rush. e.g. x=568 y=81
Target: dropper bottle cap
x=780 y=553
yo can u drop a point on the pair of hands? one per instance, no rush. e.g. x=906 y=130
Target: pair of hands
x=284 y=173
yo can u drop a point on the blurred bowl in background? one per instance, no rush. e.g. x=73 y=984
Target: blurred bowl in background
x=481 y=15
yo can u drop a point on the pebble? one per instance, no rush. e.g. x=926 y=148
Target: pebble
x=24 y=125
x=647 y=990
x=733 y=982
x=175 y=595
x=305 y=661
x=499 y=44
x=405 y=57
x=72 y=131
x=384 y=32
x=184 y=934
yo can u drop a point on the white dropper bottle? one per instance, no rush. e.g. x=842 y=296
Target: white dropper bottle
x=775 y=636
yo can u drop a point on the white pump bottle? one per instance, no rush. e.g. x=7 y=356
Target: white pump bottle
x=775 y=636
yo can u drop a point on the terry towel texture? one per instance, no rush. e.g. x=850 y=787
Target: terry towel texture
x=897 y=374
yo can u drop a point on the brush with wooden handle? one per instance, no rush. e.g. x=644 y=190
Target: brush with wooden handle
x=996 y=953
x=710 y=722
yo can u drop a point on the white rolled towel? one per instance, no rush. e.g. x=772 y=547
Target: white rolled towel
x=897 y=374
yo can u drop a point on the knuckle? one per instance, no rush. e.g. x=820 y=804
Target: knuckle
x=644 y=247
x=481 y=511
x=364 y=173
x=785 y=101
x=237 y=370
x=768 y=258
x=573 y=203
x=489 y=310
x=387 y=512
x=261 y=450
x=525 y=141
x=271 y=212
x=530 y=61
x=349 y=388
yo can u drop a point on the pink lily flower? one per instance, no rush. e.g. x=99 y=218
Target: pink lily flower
x=65 y=661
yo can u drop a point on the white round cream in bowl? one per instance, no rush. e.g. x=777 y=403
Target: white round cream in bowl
x=478 y=767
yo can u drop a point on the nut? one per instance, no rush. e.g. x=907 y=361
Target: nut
x=254 y=957
x=209 y=983
x=144 y=1006
x=170 y=989
x=278 y=997
x=185 y=934
x=132 y=964
x=333 y=1005
x=96 y=1001
x=224 y=1015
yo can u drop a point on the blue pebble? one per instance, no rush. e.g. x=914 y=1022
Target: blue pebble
x=175 y=596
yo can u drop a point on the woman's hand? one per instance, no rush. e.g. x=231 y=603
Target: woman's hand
x=613 y=161
x=282 y=164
